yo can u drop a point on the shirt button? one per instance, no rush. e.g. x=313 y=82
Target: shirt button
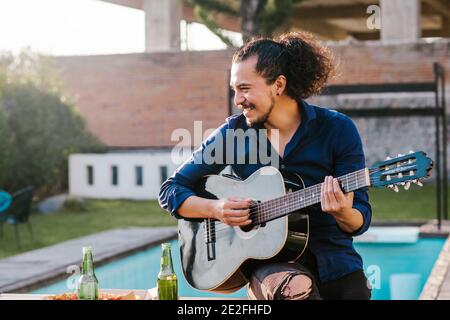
x=283 y=166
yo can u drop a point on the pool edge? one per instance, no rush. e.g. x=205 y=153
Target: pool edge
x=439 y=275
x=58 y=272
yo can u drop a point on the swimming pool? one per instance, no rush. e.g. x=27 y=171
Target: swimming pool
x=384 y=264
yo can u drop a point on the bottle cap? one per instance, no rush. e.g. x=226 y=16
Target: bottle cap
x=165 y=245
x=87 y=249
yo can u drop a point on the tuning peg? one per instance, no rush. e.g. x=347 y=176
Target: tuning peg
x=411 y=173
x=410 y=151
x=388 y=158
x=400 y=155
x=392 y=186
x=388 y=177
x=407 y=185
x=400 y=175
x=419 y=183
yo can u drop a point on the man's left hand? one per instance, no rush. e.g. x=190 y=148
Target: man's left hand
x=333 y=200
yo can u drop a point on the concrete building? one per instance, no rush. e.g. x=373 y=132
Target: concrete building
x=135 y=102
x=387 y=20
x=130 y=175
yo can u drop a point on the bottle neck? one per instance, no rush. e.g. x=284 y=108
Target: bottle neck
x=166 y=261
x=88 y=264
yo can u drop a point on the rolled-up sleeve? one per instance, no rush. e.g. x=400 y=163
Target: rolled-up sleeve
x=349 y=157
x=181 y=185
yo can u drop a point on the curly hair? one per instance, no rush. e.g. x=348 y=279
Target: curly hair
x=306 y=64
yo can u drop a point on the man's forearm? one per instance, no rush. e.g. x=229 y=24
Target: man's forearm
x=196 y=207
x=350 y=221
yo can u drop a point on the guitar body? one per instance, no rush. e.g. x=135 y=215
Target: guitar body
x=214 y=255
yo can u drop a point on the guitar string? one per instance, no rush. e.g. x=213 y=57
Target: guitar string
x=265 y=212
x=223 y=229
x=276 y=207
x=291 y=199
x=266 y=209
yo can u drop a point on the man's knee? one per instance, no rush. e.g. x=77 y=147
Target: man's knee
x=298 y=287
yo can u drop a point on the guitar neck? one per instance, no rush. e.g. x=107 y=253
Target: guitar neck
x=282 y=206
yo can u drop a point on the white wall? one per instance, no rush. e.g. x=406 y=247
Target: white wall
x=126 y=162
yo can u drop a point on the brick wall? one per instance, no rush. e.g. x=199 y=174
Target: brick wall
x=372 y=62
x=137 y=100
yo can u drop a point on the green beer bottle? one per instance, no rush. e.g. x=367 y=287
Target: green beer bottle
x=87 y=286
x=167 y=282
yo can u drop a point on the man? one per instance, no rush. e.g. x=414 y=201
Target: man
x=271 y=80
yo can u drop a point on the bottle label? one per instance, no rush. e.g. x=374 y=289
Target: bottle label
x=168 y=289
x=88 y=291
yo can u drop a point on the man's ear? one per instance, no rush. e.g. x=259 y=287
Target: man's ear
x=280 y=85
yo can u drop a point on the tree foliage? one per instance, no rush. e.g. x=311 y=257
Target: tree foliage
x=5 y=151
x=257 y=17
x=41 y=126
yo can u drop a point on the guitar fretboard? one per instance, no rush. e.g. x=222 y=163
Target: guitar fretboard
x=282 y=206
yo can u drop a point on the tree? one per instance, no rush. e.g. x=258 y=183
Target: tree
x=258 y=17
x=42 y=125
x=5 y=152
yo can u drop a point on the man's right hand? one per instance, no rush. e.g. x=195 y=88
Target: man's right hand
x=233 y=211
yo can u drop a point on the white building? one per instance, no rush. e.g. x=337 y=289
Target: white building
x=122 y=175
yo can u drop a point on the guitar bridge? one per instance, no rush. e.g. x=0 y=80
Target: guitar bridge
x=210 y=239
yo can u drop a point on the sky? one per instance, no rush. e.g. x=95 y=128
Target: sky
x=82 y=27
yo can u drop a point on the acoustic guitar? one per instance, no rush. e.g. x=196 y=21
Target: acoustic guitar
x=214 y=254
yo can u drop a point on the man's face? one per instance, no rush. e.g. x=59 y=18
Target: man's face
x=252 y=93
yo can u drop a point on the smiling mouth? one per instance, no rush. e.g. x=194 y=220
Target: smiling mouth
x=248 y=108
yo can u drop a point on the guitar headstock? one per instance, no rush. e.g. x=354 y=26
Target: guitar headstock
x=402 y=170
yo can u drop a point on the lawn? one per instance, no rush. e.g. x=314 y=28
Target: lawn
x=415 y=204
x=68 y=224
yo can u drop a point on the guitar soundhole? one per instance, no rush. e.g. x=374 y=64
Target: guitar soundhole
x=247 y=228
x=252 y=226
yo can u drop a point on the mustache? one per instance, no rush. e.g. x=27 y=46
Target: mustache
x=247 y=105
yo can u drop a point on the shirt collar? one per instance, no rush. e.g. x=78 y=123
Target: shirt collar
x=308 y=112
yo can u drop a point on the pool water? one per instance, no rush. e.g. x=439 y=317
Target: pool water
x=394 y=260
x=383 y=264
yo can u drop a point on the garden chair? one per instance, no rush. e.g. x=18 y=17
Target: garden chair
x=5 y=202
x=19 y=211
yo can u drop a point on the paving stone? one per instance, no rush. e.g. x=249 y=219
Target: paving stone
x=23 y=270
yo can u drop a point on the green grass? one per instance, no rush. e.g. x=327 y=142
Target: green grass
x=413 y=205
x=100 y=215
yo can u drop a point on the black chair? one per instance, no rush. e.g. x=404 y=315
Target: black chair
x=19 y=211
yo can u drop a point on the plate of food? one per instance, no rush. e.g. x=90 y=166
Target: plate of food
x=102 y=296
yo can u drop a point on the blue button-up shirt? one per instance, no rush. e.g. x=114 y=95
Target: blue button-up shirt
x=326 y=143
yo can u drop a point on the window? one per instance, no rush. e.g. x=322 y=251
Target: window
x=163 y=173
x=139 y=173
x=90 y=175
x=114 y=175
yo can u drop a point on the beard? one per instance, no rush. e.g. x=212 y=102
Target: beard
x=261 y=119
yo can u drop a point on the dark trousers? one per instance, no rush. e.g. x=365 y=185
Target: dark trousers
x=269 y=282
